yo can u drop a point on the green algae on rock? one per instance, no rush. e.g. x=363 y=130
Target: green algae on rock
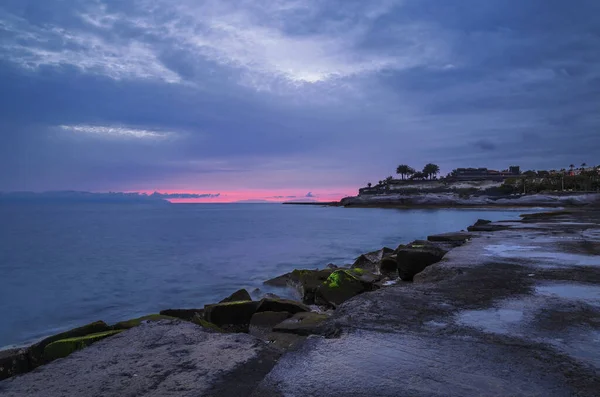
x=199 y=320
x=238 y=296
x=231 y=315
x=281 y=305
x=340 y=286
x=64 y=347
x=36 y=352
x=183 y=314
x=137 y=321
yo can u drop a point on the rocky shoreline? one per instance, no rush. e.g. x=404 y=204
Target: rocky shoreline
x=395 y=322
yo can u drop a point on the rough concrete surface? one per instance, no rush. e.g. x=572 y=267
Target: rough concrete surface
x=156 y=359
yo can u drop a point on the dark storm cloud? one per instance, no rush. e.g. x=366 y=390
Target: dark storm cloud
x=224 y=94
x=485 y=144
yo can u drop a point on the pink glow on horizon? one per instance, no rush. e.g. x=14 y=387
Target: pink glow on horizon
x=274 y=196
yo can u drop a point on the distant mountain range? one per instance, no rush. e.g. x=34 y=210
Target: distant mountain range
x=110 y=197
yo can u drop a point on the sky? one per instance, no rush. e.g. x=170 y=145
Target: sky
x=290 y=99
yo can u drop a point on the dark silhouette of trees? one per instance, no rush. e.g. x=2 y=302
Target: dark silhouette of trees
x=431 y=170
x=404 y=170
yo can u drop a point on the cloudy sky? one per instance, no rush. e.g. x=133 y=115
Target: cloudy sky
x=282 y=98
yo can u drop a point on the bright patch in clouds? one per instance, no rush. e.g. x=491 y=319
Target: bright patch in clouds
x=116 y=132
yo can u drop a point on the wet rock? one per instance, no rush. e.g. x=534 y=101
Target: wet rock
x=281 y=305
x=134 y=322
x=340 y=286
x=36 y=352
x=64 y=347
x=415 y=257
x=271 y=296
x=483 y=225
x=262 y=323
x=183 y=314
x=455 y=239
x=13 y=362
x=302 y=324
x=209 y=327
x=388 y=266
x=370 y=260
x=305 y=282
x=233 y=316
x=238 y=296
x=283 y=341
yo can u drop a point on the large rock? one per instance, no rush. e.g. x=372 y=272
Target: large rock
x=281 y=305
x=36 y=352
x=454 y=239
x=305 y=282
x=262 y=323
x=231 y=316
x=13 y=362
x=371 y=260
x=64 y=347
x=483 y=225
x=415 y=257
x=302 y=324
x=388 y=267
x=340 y=286
x=238 y=296
x=134 y=322
x=183 y=314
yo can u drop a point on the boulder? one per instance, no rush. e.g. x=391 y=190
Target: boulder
x=305 y=282
x=302 y=324
x=281 y=305
x=455 y=239
x=134 y=322
x=415 y=257
x=13 y=362
x=262 y=323
x=36 y=352
x=483 y=225
x=64 y=347
x=388 y=267
x=340 y=286
x=198 y=319
x=283 y=341
x=238 y=296
x=370 y=260
x=231 y=316
x=183 y=314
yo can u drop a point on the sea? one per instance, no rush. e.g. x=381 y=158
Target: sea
x=65 y=265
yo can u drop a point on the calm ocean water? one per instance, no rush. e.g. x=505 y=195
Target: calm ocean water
x=65 y=265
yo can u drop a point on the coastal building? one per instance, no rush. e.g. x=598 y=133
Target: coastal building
x=480 y=174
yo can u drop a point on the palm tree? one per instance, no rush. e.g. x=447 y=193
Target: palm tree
x=404 y=170
x=369 y=185
x=572 y=166
x=583 y=165
x=431 y=170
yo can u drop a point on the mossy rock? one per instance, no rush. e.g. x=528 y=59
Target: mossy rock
x=13 y=362
x=238 y=296
x=64 y=347
x=183 y=314
x=340 y=286
x=137 y=321
x=415 y=257
x=199 y=320
x=305 y=281
x=302 y=324
x=281 y=305
x=36 y=352
x=237 y=314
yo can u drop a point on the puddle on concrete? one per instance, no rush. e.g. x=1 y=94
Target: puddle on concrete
x=588 y=293
x=583 y=346
x=494 y=320
x=532 y=252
